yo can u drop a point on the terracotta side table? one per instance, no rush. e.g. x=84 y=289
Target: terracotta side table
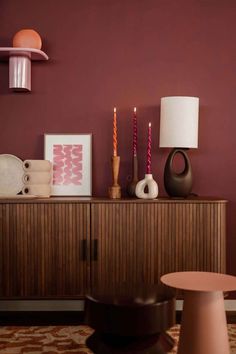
x=204 y=327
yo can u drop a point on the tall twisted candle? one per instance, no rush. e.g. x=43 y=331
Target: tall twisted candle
x=149 y=148
x=114 y=134
x=135 y=131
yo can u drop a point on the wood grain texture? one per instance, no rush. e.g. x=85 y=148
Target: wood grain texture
x=65 y=200
x=41 y=249
x=139 y=242
x=59 y=247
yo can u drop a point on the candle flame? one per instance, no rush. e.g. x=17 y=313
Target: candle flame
x=150 y=124
x=134 y=109
x=114 y=109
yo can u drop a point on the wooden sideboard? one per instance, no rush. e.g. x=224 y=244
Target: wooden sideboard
x=57 y=247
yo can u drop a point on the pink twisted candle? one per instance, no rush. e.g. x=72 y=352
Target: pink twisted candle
x=149 y=148
x=135 y=132
x=114 y=134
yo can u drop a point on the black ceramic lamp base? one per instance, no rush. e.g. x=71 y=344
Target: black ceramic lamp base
x=178 y=185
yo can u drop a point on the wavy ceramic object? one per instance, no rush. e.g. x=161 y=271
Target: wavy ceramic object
x=37 y=166
x=42 y=190
x=152 y=186
x=37 y=178
x=27 y=38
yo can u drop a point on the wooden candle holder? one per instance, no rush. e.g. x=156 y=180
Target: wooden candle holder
x=114 y=191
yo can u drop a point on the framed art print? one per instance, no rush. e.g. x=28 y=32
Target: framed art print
x=71 y=157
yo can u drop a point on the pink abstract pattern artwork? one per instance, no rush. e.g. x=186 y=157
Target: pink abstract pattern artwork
x=67 y=164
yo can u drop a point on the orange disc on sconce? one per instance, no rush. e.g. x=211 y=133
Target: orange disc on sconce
x=27 y=38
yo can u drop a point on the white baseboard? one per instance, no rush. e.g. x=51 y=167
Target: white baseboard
x=71 y=305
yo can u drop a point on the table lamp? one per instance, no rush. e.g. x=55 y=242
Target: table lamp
x=179 y=130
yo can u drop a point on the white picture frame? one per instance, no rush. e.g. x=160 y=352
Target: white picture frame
x=71 y=158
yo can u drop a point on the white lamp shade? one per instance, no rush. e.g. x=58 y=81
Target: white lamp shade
x=179 y=122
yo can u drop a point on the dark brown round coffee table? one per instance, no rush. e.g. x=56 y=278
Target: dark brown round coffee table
x=130 y=319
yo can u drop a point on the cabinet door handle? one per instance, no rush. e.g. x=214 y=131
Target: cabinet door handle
x=84 y=250
x=95 y=250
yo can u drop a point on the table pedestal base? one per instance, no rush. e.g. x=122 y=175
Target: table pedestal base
x=204 y=326
x=101 y=343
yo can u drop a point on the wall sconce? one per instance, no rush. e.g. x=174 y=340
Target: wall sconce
x=179 y=130
x=27 y=45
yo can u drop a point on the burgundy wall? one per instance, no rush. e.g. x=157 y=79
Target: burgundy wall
x=127 y=53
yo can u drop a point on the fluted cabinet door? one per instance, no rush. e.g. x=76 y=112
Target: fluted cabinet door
x=139 y=242
x=43 y=249
x=57 y=247
x=114 y=243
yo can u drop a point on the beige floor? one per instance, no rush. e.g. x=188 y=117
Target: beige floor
x=58 y=339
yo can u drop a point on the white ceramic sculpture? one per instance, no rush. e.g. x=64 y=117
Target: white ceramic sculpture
x=152 y=186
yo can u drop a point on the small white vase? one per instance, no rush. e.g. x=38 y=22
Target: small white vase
x=151 y=185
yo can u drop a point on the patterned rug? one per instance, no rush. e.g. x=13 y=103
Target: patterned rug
x=63 y=340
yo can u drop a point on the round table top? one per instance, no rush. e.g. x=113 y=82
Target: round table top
x=130 y=309
x=131 y=294
x=200 y=281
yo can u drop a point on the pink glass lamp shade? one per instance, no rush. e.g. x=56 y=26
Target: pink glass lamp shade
x=20 y=63
x=27 y=38
x=26 y=48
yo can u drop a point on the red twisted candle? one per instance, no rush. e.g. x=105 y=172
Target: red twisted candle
x=114 y=134
x=149 y=148
x=135 y=131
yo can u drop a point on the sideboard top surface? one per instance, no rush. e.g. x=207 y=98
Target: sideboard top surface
x=162 y=200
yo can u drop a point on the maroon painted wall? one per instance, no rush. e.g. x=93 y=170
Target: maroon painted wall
x=126 y=53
